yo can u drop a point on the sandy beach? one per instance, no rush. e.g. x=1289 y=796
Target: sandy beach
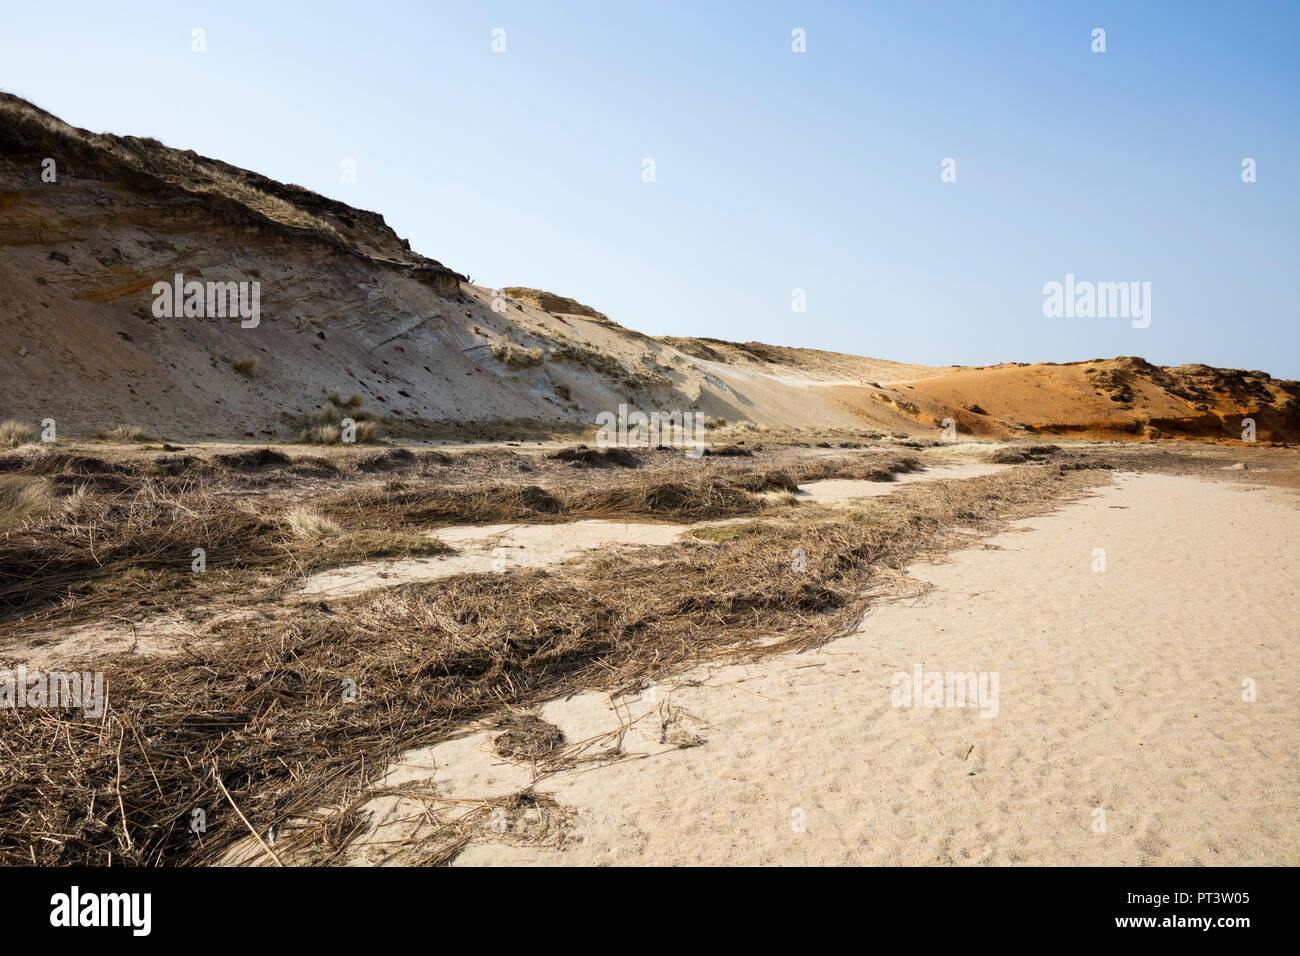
x=1120 y=737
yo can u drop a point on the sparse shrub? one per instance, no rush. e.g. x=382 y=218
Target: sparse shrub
x=367 y=433
x=327 y=427
x=246 y=366
x=568 y=350
x=334 y=409
x=352 y=405
x=14 y=433
x=322 y=435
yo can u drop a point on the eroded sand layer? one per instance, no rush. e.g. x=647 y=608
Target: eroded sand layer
x=1120 y=735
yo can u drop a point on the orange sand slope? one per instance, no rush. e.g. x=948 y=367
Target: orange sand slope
x=1100 y=399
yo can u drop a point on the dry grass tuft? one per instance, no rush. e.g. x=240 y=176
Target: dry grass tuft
x=721 y=534
x=14 y=433
x=245 y=366
x=1005 y=456
x=370 y=543
x=528 y=737
x=366 y=433
x=86 y=558
x=369 y=432
x=304 y=523
x=21 y=500
x=327 y=428
x=517 y=356
x=334 y=409
x=584 y=457
x=254 y=459
x=321 y=435
x=125 y=434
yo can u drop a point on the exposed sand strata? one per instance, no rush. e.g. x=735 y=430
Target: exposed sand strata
x=1119 y=690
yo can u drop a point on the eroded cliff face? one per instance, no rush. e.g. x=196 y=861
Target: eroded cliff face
x=93 y=225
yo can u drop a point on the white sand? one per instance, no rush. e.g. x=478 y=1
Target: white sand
x=836 y=490
x=1119 y=691
x=484 y=548
x=157 y=636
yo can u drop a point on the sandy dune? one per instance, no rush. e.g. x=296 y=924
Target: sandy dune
x=433 y=356
x=1120 y=701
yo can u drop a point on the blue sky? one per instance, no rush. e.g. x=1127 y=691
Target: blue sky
x=774 y=170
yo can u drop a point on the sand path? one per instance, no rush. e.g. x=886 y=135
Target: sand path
x=1120 y=736
x=838 y=490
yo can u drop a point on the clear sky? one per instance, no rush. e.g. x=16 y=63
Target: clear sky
x=774 y=170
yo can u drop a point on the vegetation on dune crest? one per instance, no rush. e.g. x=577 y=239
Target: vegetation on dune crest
x=550 y=302
x=517 y=356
